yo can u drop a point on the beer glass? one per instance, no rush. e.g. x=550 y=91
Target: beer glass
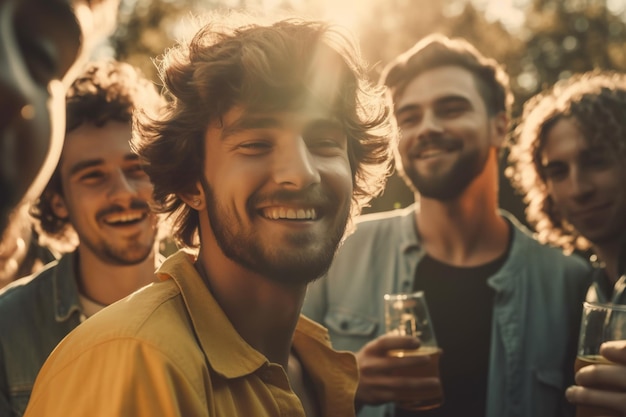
x=406 y=314
x=600 y=323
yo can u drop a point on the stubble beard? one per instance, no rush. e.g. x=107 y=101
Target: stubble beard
x=451 y=184
x=278 y=264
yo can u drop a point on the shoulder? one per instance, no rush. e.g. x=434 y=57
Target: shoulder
x=135 y=315
x=379 y=228
x=532 y=253
x=25 y=292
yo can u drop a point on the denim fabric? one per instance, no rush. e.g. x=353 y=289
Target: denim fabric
x=537 y=308
x=36 y=312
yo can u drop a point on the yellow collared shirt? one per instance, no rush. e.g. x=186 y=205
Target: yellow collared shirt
x=169 y=350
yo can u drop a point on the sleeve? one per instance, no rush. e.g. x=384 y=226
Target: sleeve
x=117 y=378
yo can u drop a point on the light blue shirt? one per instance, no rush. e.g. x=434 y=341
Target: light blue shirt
x=536 y=313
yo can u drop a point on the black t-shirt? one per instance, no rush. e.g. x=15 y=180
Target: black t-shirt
x=461 y=305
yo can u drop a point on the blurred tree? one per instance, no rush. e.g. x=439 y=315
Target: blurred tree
x=566 y=37
x=558 y=38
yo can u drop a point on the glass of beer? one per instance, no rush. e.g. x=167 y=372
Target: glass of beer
x=600 y=323
x=406 y=314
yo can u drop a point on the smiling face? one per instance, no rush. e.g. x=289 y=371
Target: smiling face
x=278 y=189
x=106 y=194
x=446 y=133
x=585 y=182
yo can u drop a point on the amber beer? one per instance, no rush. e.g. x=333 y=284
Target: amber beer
x=585 y=410
x=424 y=399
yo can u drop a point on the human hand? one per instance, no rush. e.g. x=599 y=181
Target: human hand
x=385 y=378
x=603 y=385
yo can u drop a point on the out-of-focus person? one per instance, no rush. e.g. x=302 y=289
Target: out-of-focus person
x=569 y=161
x=43 y=43
x=97 y=201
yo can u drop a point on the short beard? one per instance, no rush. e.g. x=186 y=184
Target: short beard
x=247 y=250
x=452 y=184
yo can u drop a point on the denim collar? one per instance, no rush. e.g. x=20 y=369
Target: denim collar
x=65 y=287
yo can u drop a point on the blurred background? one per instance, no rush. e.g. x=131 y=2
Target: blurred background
x=538 y=41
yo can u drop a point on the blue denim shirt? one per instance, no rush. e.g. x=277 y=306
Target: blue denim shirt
x=36 y=312
x=536 y=312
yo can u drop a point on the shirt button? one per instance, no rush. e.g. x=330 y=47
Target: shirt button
x=344 y=325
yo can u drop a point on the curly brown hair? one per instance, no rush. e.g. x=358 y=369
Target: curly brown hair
x=260 y=66
x=106 y=91
x=597 y=102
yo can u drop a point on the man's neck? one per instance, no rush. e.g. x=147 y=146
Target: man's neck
x=106 y=283
x=467 y=231
x=264 y=312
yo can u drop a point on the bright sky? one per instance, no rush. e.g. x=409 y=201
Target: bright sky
x=348 y=12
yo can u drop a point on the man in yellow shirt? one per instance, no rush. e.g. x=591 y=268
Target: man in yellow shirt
x=271 y=142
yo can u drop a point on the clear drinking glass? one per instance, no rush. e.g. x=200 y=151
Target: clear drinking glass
x=406 y=314
x=600 y=323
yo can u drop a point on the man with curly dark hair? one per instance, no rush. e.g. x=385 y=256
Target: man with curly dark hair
x=98 y=199
x=569 y=161
x=505 y=350
x=271 y=140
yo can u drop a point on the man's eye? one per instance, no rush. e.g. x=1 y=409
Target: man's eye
x=254 y=147
x=92 y=176
x=597 y=162
x=136 y=171
x=408 y=121
x=452 y=110
x=555 y=173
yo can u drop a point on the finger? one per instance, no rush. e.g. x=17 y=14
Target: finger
x=611 y=400
x=603 y=376
x=615 y=351
x=382 y=344
x=394 y=389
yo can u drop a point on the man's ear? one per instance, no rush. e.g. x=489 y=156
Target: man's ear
x=195 y=197
x=500 y=129
x=58 y=206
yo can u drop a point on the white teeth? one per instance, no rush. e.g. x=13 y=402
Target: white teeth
x=123 y=217
x=427 y=153
x=276 y=213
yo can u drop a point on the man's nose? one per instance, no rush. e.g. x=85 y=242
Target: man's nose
x=121 y=190
x=295 y=166
x=429 y=125
x=581 y=186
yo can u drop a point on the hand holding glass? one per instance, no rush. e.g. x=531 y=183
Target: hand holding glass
x=600 y=323
x=407 y=315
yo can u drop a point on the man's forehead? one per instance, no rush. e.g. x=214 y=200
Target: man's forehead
x=436 y=83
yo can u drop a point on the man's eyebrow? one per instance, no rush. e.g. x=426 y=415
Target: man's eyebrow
x=89 y=163
x=447 y=99
x=247 y=122
x=407 y=109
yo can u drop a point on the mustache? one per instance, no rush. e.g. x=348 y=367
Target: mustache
x=435 y=141
x=315 y=197
x=135 y=204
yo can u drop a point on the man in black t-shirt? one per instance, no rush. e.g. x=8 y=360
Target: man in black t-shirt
x=505 y=309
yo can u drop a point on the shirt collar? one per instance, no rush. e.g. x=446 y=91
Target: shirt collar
x=65 y=287
x=226 y=351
